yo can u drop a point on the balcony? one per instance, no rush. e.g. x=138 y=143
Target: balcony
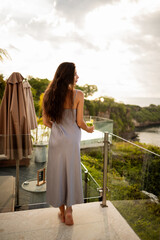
x=91 y=222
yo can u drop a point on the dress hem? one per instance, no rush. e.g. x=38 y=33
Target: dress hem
x=57 y=206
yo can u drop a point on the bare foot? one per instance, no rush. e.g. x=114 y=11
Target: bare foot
x=69 y=218
x=61 y=217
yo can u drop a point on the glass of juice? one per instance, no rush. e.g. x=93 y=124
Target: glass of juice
x=89 y=123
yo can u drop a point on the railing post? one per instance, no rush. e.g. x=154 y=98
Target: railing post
x=17 y=182
x=85 y=185
x=105 y=170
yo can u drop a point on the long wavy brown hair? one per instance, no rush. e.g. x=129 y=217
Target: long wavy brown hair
x=55 y=94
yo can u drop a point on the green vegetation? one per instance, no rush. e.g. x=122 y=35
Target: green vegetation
x=88 y=90
x=94 y=166
x=137 y=166
x=131 y=170
x=142 y=215
x=118 y=112
x=38 y=87
x=145 y=114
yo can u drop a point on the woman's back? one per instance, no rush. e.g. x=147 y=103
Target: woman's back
x=69 y=116
x=67 y=103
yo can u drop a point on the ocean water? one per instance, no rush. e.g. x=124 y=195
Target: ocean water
x=150 y=135
x=140 y=101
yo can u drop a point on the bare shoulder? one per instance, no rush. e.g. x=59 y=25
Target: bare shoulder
x=80 y=94
x=79 y=98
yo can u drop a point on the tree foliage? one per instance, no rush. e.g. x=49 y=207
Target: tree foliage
x=38 y=87
x=88 y=90
x=41 y=104
x=118 y=112
x=145 y=114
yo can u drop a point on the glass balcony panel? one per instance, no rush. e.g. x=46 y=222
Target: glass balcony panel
x=133 y=183
x=91 y=188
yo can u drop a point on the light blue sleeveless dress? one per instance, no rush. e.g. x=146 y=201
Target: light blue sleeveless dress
x=64 y=178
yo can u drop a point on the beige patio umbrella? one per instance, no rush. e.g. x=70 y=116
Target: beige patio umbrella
x=14 y=126
x=30 y=105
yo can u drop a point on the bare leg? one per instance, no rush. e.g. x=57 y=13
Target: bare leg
x=62 y=213
x=68 y=216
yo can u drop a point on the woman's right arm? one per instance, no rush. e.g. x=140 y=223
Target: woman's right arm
x=80 y=121
x=46 y=121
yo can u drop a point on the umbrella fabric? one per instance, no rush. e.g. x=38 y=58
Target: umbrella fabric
x=30 y=105
x=15 y=140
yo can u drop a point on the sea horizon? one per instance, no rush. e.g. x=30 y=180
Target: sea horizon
x=139 y=101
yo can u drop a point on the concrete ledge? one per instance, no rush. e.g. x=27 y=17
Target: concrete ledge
x=92 y=222
x=7 y=193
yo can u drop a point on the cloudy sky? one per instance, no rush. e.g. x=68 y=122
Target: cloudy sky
x=115 y=44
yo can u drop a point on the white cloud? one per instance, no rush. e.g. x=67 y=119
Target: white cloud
x=75 y=11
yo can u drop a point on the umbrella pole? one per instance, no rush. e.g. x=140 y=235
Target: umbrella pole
x=17 y=182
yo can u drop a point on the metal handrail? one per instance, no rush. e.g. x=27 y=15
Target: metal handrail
x=134 y=144
x=94 y=180
x=90 y=175
x=84 y=167
x=105 y=169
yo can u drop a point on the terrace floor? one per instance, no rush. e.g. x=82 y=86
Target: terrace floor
x=92 y=222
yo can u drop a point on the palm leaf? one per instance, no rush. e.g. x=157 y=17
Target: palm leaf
x=3 y=52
